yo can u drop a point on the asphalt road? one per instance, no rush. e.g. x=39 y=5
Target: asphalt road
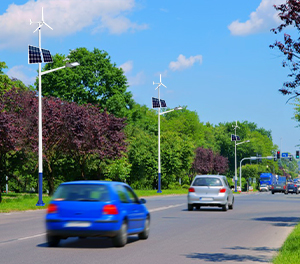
x=250 y=233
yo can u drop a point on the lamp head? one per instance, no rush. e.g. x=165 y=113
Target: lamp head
x=178 y=108
x=72 y=64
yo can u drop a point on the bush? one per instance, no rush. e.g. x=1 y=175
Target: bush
x=185 y=186
x=174 y=186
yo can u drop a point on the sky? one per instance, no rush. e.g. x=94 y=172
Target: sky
x=213 y=56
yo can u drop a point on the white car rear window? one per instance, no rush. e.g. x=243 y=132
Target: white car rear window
x=207 y=181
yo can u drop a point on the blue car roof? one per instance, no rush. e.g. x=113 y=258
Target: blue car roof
x=93 y=182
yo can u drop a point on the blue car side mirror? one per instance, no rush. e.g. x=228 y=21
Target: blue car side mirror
x=142 y=201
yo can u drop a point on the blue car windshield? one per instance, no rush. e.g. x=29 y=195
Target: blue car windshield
x=82 y=192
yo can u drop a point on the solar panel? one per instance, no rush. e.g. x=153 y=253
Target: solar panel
x=47 y=56
x=163 y=103
x=155 y=103
x=34 y=55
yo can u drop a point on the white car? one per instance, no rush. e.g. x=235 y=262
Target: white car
x=210 y=190
x=263 y=188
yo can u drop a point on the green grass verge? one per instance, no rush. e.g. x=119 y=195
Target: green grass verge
x=145 y=193
x=290 y=251
x=21 y=202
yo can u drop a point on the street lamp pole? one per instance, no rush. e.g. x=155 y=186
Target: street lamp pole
x=250 y=158
x=40 y=182
x=159 y=169
x=235 y=172
x=40 y=126
x=240 y=166
x=161 y=113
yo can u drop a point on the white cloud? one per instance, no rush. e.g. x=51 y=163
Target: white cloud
x=263 y=19
x=138 y=79
x=183 y=62
x=127 y=67
x=21 y=73
x=65 y=17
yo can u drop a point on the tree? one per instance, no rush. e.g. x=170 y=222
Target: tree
x=10 y=137
x=177 y=155
x=96 y=81
x=204 y=161
x=82 y=132
x=289 y=13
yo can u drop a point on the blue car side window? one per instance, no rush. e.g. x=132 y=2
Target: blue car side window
x=122 y=194
x=132 y=196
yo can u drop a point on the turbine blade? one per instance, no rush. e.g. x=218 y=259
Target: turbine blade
x=48 y=26
x=37 y=29
x=42 y=14
x=163 y=85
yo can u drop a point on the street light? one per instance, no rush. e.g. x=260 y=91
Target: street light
x=235 y=161
x=161 y=113
x=250 y=158
x=39 y=50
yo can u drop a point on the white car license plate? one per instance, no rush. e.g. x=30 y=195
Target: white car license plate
x=206 y=199
x=78 y=224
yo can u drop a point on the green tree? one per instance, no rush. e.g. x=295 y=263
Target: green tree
x=177 y=155
x=142 y=155
x=97 y=81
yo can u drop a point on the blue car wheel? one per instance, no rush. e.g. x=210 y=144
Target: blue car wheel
x=120 y=239
x=145 y=233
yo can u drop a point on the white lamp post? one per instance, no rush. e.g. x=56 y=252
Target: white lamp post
x=250 y=158
x=40 y=181
x=161 y=113
x=236 y=144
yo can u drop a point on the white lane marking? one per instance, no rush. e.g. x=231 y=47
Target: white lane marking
x=165 y=207
x=23 y=238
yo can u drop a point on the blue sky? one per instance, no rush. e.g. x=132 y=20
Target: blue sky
x=214 y=56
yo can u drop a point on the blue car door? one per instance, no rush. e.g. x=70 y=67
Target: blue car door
x=134 y=210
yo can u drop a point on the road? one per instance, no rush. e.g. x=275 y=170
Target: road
x=250 y=233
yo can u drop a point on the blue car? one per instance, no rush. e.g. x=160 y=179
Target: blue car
x=96 y=209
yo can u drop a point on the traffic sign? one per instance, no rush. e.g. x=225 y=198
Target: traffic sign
x=285 y=155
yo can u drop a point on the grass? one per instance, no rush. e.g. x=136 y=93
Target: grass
x=21 y=202
x=145 y=193
x=290 y=251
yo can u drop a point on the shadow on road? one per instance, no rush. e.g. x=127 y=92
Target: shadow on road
x=263 y=249
x=223 y=257
x=88 y=243
x=205 y=209
x=280 y=221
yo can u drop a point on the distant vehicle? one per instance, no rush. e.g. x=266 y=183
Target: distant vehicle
x=279 y=185
x=96 y=209
x=298 y=186
x=263 y=188
x=210 y=190
x=267 y=178
x=292 y=188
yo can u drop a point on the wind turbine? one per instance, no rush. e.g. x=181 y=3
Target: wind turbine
x=41 y=23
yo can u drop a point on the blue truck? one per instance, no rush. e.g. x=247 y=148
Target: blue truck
x=267 y=178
